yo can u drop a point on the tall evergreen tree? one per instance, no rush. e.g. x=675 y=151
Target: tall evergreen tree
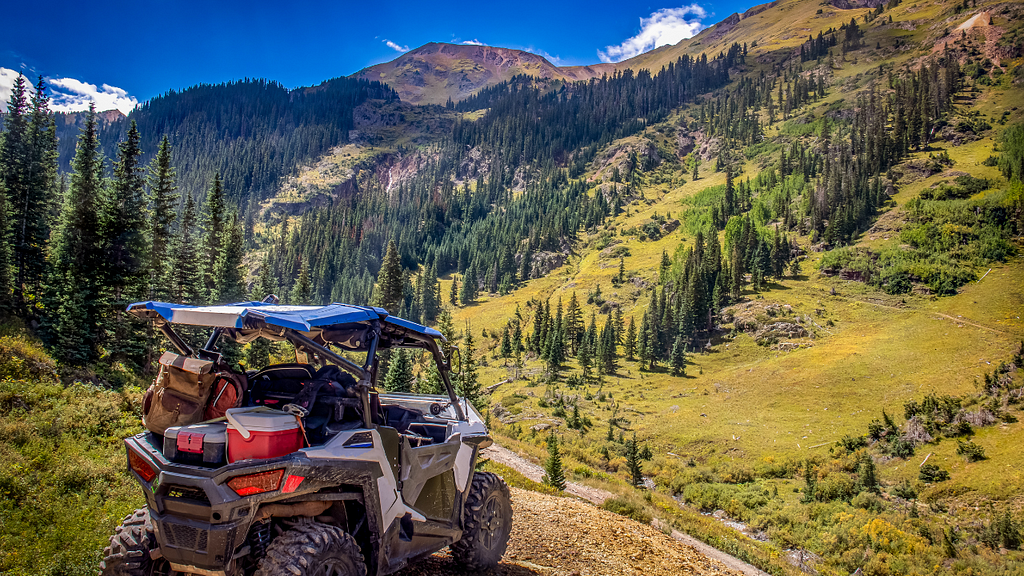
x=213 y=224
x=554 y=476
x=163 y=212
x=633 y=462
x=186 y=286
x=33 y=211
x=678 y=359
x=630 y=343
x=390 y=280
x=468 y=383
x=14 y=182
x=259 y=350
x=230 y=284
x=126 y=241
x=399 y=377
x=75 y=297
x=302 y=292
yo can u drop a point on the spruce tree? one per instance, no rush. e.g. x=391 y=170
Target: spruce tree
x=633 y=463
x=468 y=383
x=470 y=283
x=553 y=474
x=163 y=212
x=390 y=280
x=399 y=377
x=126 y=242
x=75 y=297
x=33 y=216
x=14 y=182
x=302 y=291
x=213 y=224
x=186 y=285
x=678 y=359
x=453 y=294
x=229 y=283
x=428 y=296
x=630 y=343
x=259 y=350
x=506 y=344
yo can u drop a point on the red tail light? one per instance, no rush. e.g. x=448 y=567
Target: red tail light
x=256 y=483
x=140 y=466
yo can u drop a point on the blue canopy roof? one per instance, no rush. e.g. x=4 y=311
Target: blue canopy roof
x=301 y=318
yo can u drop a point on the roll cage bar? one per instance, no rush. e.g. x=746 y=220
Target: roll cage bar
x=379 y=334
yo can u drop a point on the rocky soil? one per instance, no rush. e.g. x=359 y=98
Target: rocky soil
x=567 y=537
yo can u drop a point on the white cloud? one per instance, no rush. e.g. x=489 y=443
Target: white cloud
x=71 y=95
x=666 y=26
x=396 y=47
x=7 y=78
x=473 y=42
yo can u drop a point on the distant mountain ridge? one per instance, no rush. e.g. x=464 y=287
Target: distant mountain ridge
x=435 y=72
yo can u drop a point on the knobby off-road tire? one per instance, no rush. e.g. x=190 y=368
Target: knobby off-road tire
x=128 y=553
x=487 y=523
x=313 y=549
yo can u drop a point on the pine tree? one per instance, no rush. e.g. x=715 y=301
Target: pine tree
x=622 y=270
x=573 y=324
x=75 y=301
x=32 y=217
x=432 y=384
x=644 y=345
x=868 y=475
x=213 y=222
x=230 y=284
x=446 y=326
x=470 y=283
x=186 y=286
x=14 y=183
x=633 y=463
x=630 y=343
x=163 y=212
x=506 y=344
x=553 y=474
x=259 y=350
x=678 y=360
x=429 y=296
x=302 y=292
x=399 y=377
x=390 y=280
x=468 y=383
x=453 y=294
x=126 y=241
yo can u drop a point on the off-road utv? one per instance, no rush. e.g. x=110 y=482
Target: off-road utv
x=303 y=468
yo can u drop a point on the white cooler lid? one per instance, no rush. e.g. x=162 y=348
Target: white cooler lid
x=262 y=419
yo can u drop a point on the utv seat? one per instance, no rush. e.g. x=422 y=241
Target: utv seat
x=277 y=385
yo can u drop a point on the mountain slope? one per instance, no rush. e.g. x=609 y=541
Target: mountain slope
x=435 y=72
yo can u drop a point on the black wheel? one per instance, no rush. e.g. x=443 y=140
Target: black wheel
x=487 y=523
x=129 y=550
x=313 y=549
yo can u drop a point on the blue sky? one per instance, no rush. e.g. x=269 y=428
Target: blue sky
x=116 y=52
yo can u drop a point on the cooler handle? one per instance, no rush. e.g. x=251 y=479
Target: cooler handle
x=238 y=425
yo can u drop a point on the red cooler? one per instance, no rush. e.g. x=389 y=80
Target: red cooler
x=258 y=433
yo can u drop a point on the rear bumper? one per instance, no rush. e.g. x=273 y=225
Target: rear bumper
x=201 y=524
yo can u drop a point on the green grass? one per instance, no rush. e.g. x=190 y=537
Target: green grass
x=63 y=482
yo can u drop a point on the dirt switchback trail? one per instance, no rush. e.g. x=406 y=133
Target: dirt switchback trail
x=597 y=496
x=554 y=536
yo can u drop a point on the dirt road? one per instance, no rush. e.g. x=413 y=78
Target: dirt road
x=597 y=496
x=553 y=536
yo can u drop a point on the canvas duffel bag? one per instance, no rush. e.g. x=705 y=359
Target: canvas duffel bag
x=179 y=394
